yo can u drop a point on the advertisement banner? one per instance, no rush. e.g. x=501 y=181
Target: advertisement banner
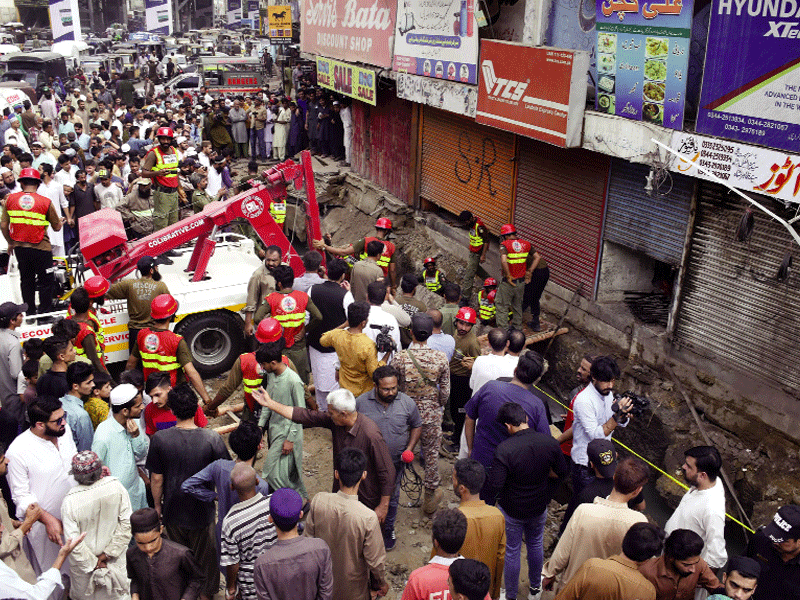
x=643 y=59
x=433 y=40
x=65 y=20
x=749 y=168
x=347 y=80
x=351 y=30
x=537 y=92
x=280 y=24
x=252 y=14
x=752 y=74
x=234 y=9
x=158 y=16
x=457 y=98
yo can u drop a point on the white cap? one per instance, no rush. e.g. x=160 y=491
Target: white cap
x=181 y=139
x=123 y=393
x=119 y=112
x=82 y=97
x=125 y=148
x=4 y=170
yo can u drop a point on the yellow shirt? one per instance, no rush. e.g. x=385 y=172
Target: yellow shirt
x=358 y=358
x=97 y=409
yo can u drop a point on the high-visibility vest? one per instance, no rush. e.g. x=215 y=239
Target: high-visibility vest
x=290 y=311
x=27 y=216
x=475 y=239
x=278 y=211
x=100 y=333
x=385 y=257
x=251 y=377
x=434 y=283
x=517 y=254
x=168 y=161
x=159 y=352
x=86 y=330
x=486 y=308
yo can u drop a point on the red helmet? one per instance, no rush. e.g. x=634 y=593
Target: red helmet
x=507 y=229
x=163 y=307
x=491 y=295
x=97 y=286
x=30 y=173
x=466 y=314
x=165 y=132
x=490 y=282
x=383 y=223
x=428 y=261
x=269 y=330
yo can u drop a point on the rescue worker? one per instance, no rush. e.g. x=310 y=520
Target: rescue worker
x=478 y=245
x=289 y=308
x=277 y=210
x=162 y=350
x=87 y=342
x=161 y=164
x=139 y=293
x=432 y=277
x=24 y=222
x=383 y=227
x=137 y=209
x=518 y=264
x=97 y=287
x=486 y=299
x=467 y=349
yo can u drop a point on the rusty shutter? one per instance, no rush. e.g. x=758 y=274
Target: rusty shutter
x=466 y=166
x=733 y=309
x=560 y=203
x=382 y=143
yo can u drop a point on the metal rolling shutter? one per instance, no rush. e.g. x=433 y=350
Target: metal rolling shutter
x=466 y=166
x=560 y=202
x=733 y=309
x=654 y=225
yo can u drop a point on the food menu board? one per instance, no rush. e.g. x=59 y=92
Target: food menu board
x=643 y=59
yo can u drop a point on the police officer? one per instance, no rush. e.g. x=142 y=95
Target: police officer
x=24 y=225
x=432 y=277
x=518 y=264
x=478 y=245
x=162 y=350
x=161 y=164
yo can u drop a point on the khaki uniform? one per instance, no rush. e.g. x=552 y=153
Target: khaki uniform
x=261 y=285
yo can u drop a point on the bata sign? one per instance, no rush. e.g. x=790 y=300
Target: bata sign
x=351 y=30
x=536 y=92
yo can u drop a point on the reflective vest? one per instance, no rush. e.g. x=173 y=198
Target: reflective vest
x=166 y=161
x=517 y=255
x=159 y=352
x=100 y=333
x=434 y=283
x=278 y=211
x=251 y=377
x=290 y=311
x=383 y=259
x=475 y=238
x=27 y=216
x=85 y=331
x=486 y=308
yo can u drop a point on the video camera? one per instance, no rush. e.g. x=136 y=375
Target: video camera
x=384 y=341
x=638 y=403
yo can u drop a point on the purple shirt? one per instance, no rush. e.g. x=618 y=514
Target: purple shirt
x=485 y=405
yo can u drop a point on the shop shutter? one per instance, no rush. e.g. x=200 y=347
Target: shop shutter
x=559 y=209
x=466 y=166
x=654 y=225
x=733 y=309
x=382 y=143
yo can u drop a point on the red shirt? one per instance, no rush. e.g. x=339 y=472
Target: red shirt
x=430 y=582
x=157 y=418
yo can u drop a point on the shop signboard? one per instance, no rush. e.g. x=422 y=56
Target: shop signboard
x=751 y=80
x=158 y=16
x=537 y=92
x=433 y=40
x=65 y=20
x=643 y=59
x=348 y=80
x=750 y=168
x=279 y=19
x=235 y=12
x=458 y=98
x=359 y=31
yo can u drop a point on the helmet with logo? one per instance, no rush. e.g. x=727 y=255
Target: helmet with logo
x=491 y=296
x=32 y=175
x=165 y=132
x=269 y=330
x=429 y=261
x=507 y=229
x=96 y=286
x=383 y=223
x=163 y=307
x=466 y=314
x=490 y=282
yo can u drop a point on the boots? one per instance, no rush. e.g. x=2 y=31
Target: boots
x=432 y=499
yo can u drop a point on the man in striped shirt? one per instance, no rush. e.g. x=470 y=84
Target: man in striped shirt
x=246 y=534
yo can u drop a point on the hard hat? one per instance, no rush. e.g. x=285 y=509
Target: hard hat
x=507 y=229
x=491 y=296
x=466 y=314
x=428 y=261
x=165 y=132
x=383 y=223
x=30 y=173
x=269 y=330
x=163 y=307
x=490 y=282
x=96 y=286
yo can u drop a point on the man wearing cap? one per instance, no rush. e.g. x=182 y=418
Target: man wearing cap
x=108 y=193
x=297 y=567
x=136 y=208
x=15 y=136
x=24 y=221
x=11 y=407
x=740 y=578
x=776 y=548
x=161 y=164
x=100 y=506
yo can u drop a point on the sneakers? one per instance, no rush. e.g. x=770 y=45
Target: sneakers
x=390 y=541
x=534 y=593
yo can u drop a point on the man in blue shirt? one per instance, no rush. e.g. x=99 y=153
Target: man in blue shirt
x=80 y=378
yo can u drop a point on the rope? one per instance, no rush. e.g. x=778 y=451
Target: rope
x=642 y=458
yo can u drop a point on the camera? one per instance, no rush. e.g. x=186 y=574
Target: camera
x=384 y=341
x=638 y=403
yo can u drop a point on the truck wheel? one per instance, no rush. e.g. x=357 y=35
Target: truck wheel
x=215 y=340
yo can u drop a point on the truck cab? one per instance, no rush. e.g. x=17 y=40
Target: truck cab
x=236 y=75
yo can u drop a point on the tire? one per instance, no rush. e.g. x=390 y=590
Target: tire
x=215 y=339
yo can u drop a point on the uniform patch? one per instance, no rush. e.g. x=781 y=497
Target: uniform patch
x=516 y=246
x=26 y=202
x=151 y=342
x=288 y=304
